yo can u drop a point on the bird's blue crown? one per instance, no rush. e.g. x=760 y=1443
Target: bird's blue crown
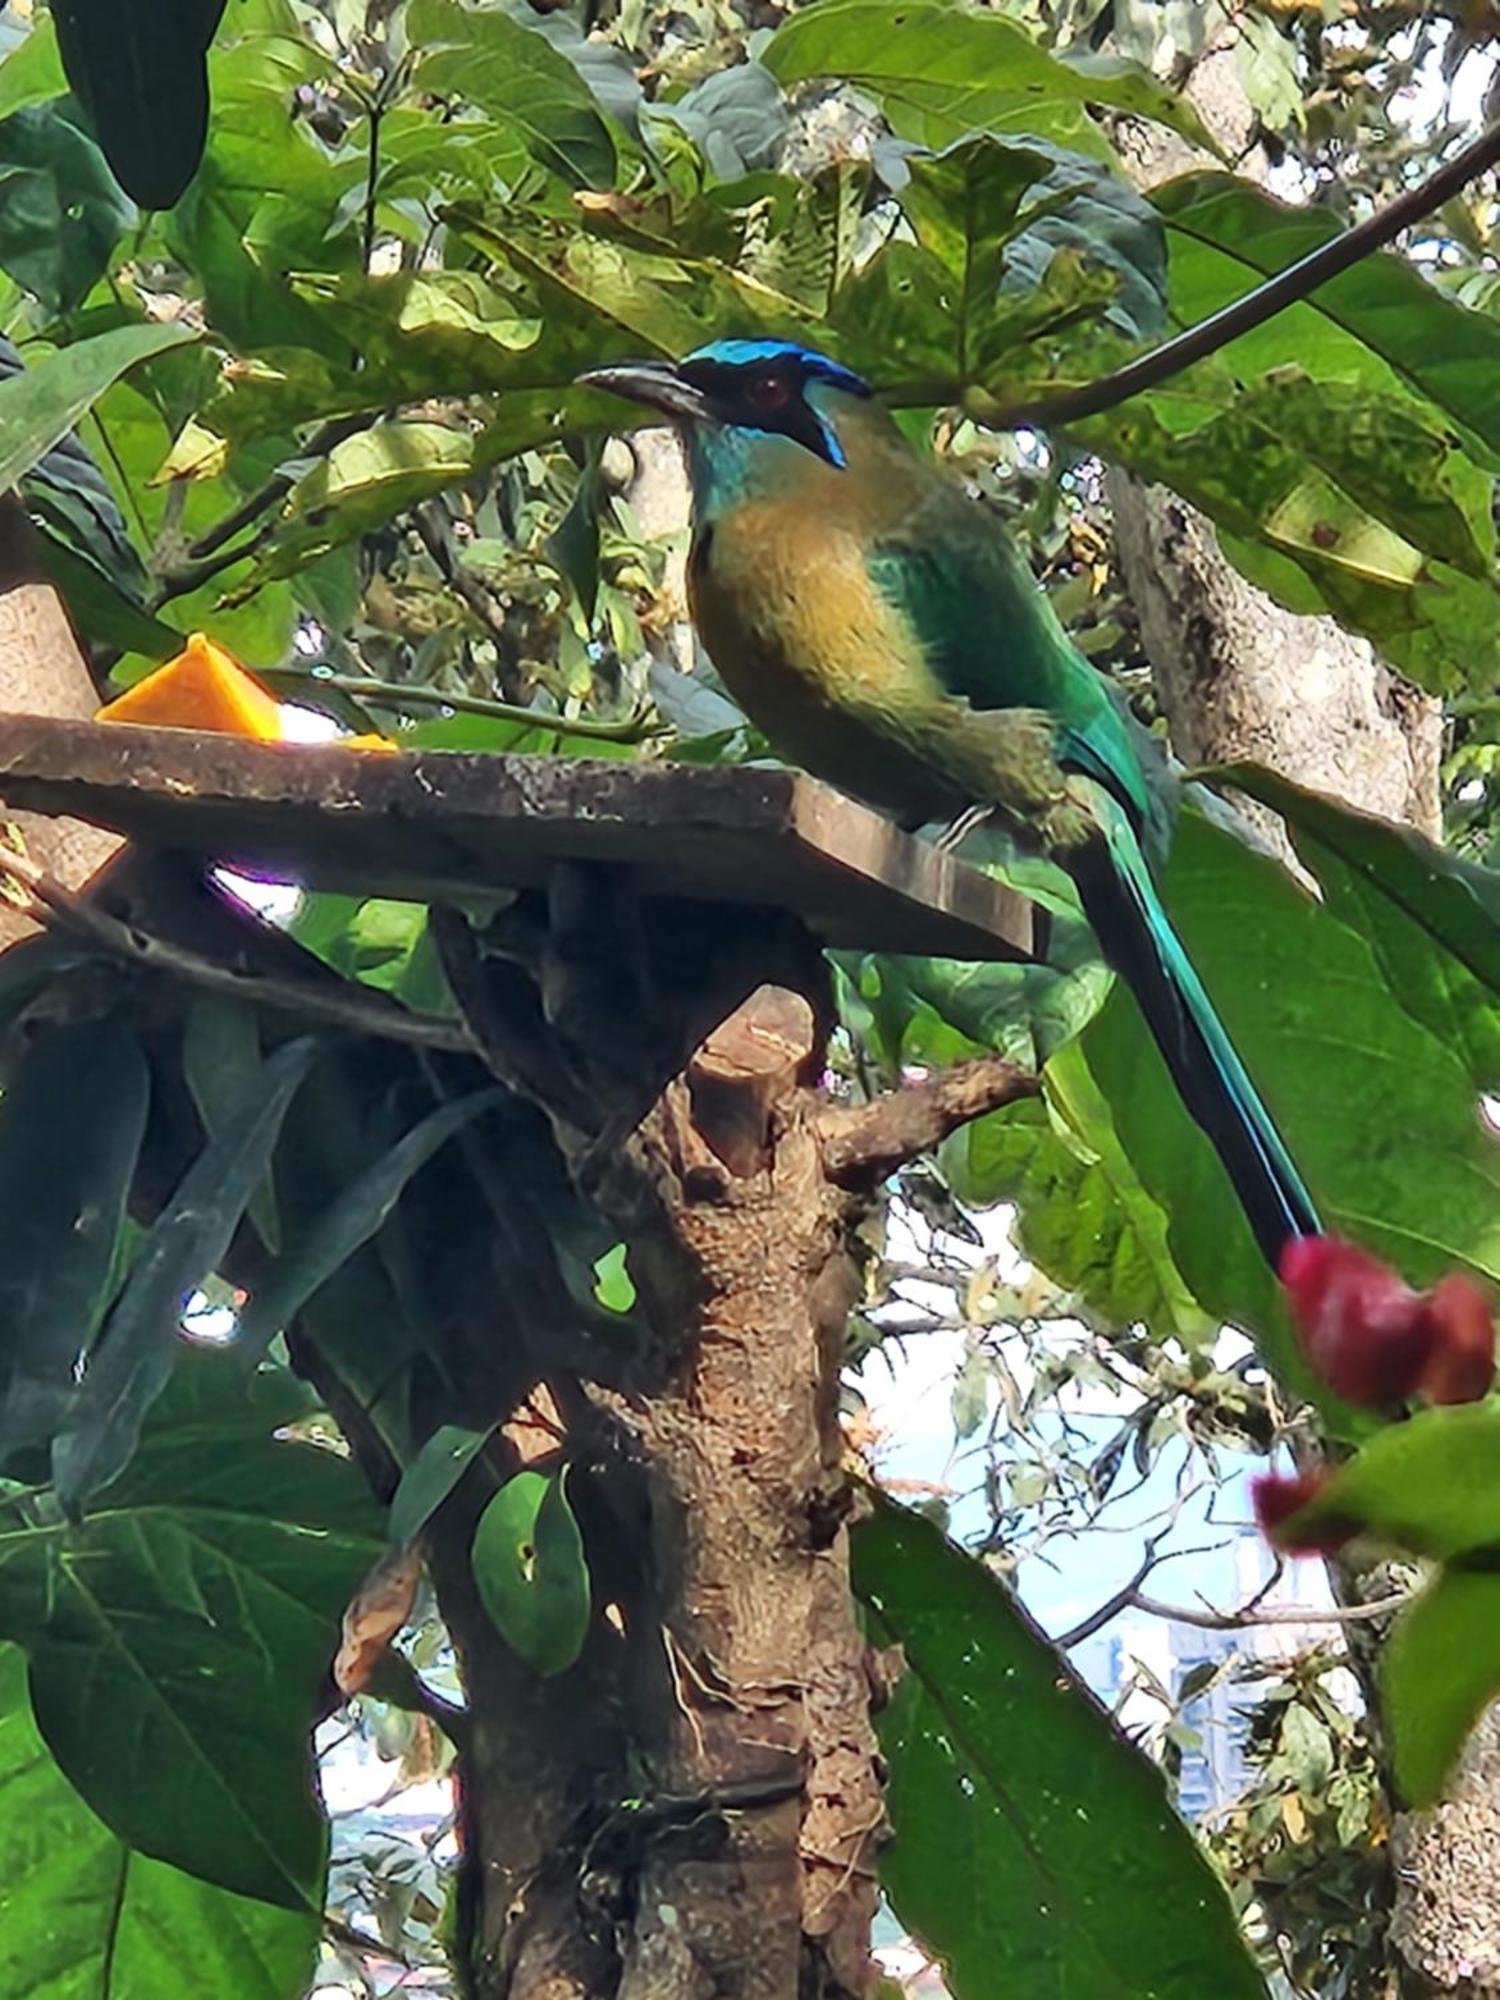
x=756 y=353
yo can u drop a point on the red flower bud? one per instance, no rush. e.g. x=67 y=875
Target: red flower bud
x=1365 y=1333
x=1462 y=1364
x=1277 y=1499
x=1374 y=1340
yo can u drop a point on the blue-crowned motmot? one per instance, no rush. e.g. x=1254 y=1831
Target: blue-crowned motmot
x=886 y=635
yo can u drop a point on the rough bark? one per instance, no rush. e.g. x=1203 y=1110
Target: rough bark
x=42 y=672
x=1239 y=678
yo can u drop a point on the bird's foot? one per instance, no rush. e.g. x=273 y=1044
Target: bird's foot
x=957 y=831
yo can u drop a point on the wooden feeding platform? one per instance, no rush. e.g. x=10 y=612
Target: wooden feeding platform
x=450 y=826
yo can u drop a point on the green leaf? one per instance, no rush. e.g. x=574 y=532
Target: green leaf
x=32 y=70
x=331 y=1238
x=132 y=1360
x=179 y=1637
x=431 y=1477
x=88 y=1917
x=1081 y=1214
x=942 y=71
x=1035 y=1849
x=614 y=1287
x=267 y=198
x=72 y=1117
x=61 y=213
x=41 y=406
x=377 y=940
x=532 y=1575
x=221 y=1054
x=364 y=482
x=1432 y=918
x=102 y=611
x=737 y=118
x=1431 y=1484
x=1033 y=237
x=495 y=61
x=1439 y=1670
x=1331 y=497
x=138 y=67
x=1380 y=322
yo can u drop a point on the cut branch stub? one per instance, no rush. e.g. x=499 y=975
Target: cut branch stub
x=746 y=1065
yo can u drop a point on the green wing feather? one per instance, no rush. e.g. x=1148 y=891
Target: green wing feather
x=991 y=637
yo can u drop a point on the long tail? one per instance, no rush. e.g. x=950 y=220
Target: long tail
x=1136 y=936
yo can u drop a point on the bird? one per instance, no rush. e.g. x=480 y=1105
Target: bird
x=885 y=634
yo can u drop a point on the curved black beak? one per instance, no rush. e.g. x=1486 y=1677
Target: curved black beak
x=657 y=384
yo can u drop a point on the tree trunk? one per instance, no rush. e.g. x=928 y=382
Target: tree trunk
x=702 y=1794
x=1239 y=678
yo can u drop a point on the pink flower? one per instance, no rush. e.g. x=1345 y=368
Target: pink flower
x=1377 y=1342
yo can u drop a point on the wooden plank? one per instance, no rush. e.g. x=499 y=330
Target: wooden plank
x=431 y=825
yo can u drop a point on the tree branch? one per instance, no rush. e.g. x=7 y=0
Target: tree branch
x=864 y=1142
x=1242 y=316
x=361 y=1010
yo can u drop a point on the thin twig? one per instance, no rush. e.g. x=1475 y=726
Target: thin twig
x=1241 y=316
x=176 y=583
x=361 y=1010
x=1126 y=1595
x=462 y=582
x=1211 y=1620
x=633 y=728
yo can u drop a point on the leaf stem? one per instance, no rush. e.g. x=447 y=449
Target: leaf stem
x=636 y=727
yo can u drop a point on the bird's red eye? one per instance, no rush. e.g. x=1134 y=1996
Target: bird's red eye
x=768 y=392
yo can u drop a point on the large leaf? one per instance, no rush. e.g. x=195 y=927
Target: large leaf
x=267 y=198
x=87 y=1917
x=365 y=481
x=129 y=1367
x=942 y=71
x=1081 y=1213
x=138 y=67
x=178 y=1637
x=1381 y=315
x=500 y=63
x=1432 y=918
x=31 y=70
x=330 y=1239
x=1035 y=1850
x=1332 y=498
x=1344 y=447
x=41 y=406
x=221 y=1053
x=61 y=213
x=1015 y=240
x=72 y=1117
